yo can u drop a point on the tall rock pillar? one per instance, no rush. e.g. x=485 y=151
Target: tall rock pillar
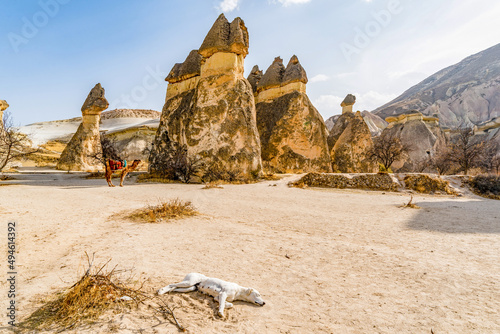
x=210 y=109
x=86 y=142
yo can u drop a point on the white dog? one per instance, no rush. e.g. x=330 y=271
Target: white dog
x=224 y=292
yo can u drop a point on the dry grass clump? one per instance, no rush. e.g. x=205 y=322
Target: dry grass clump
x=426 y=184
x=270 y=177
x=94 y=294
x=165 y=210
x=6 y=178
x=153 y=178
x=486 y=185
x=213 y=185
x=410 y=204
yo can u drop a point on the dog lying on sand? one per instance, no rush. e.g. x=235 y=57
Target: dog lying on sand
x=222 y=291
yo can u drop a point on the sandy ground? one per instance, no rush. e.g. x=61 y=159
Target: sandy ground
x=325 y=261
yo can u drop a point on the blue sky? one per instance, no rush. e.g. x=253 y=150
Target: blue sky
x=54 y=51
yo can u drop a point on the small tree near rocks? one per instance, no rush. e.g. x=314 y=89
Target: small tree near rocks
x=13 y=144
x=387 y=148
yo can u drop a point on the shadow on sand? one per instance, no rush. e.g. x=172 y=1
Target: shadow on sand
x=468 y=215
x=65 y=180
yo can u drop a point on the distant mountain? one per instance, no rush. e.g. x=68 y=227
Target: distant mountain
x=467 y=93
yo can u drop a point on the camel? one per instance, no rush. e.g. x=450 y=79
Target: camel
x=125 y=171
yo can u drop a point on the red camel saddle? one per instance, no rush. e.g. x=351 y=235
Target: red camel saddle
x=117 y=164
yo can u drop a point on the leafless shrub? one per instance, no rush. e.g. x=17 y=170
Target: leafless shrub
x=13 y=144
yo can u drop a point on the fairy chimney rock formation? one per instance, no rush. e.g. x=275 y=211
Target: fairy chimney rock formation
x=254 y=77
x=86 y=142
x=349 y=154
x=348 y=103
x=209 y=108
x=292 y=132
x=278 y=80
x=3 y=106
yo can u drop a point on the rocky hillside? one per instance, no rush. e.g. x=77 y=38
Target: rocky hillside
x=466 y=93
x=111 y=121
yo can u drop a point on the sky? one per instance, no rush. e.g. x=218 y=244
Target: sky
x=52 y=52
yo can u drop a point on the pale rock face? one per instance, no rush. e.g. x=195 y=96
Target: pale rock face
x=462 y=94
x=424 y=138
x=292 y=132
x=349 y=151
x=87 y=140
x=213 y=115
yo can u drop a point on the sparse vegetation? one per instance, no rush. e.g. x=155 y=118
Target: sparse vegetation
x=213 y=185
x=410 y=204
x=173 y=162
x=465 y=150
x=165 y=210
x=426 y=184
x=486 y=186
x=96 y=292
x=387 y=148
x=13 y=144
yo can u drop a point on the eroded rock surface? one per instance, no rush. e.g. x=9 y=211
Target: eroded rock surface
x=212 y=115
x=86 y=142
x=292 y=132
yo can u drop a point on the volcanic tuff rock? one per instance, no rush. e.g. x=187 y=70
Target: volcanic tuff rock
x=254 y=77
x=292 y=132
x=212 y=115
x=422 y=134
x=3 y=106
x=226 y=37
x=349 y=140
x=467 y=93
x=349 y=152
x=374 y=122
x=86 y=141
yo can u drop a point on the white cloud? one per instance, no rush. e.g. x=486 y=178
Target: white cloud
x=319 y=78
x=228 y=5
x=286 y=3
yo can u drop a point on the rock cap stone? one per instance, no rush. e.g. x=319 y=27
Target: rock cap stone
x=3 y=105
x=294 y=72
x=95 y=102
x=190 y=68
x=348 y=101
x=273 y=76
x=254 y=77
x=226 y=37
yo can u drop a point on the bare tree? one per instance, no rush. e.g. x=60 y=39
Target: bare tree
x=108 y=150
x=13 y=144
x=441 y=161
x=465 y=150
x=388 y=148
x=489 y=160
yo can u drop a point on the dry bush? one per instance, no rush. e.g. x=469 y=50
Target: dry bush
x=213 y=185
x=270 y=177
x=486 y=186
x=172 y=209
x=84 y=302
x=426 y=184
